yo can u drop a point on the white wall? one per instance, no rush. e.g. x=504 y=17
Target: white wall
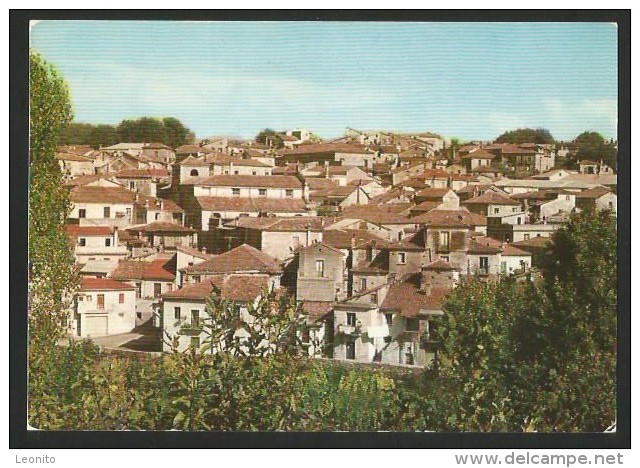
x=280 y=245
x=245 y=192
x=96 y=211
x=121 y=318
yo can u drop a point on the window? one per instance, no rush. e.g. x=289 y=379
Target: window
x=567 y=197
x=527 y=236
x=444 y=258
x=82 y=242
x=106 y=212
x=169 y=287
x=107 y=242
x=389 y=319
x=519 y=220
x=444 y=240
x=121 y=298
x=226 y=172
x=515 y=209
x=289 y=193
x=484 y=264
x=195 y=342
x=374 y=298
x=157 y=216
x=351 y=350
x=195 y=317
x=235 y=192
x=89 y=298
x=402 y=258
x=100 y=301
x=196 y=279
x=157 y=289
x=254 y=173
x=82 y=213
x=496 y=210
x=262 y=192
x=320 y=268
x=132 y=185
x=351 y=319
x=194 y=172
x=295 y=241
x=412 y=324
x=236 y=172
x=400 y=234
x=363 y=284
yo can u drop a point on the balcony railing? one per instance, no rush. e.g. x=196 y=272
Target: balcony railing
x=347 y=329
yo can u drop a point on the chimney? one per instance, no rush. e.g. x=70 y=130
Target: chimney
x=353 y=241
x=204 y=250
x=326 y=169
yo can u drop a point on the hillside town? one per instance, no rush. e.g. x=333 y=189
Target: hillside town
x=367 y=233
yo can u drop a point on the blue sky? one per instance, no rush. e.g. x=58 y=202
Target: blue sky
x=469 y=80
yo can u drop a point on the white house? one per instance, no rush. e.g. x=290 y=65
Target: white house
x=103 y=307
x=96 y=243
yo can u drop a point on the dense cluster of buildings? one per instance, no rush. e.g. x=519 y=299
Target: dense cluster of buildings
x=368 y=233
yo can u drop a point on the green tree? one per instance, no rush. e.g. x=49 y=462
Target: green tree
x=175 y=133
x=268 y=136
x=593 y=146
x=76 y=134
x=526 y=135
x=103 y=135
x=52 y=275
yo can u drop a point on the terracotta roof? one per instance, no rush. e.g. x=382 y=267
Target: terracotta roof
x=241 y=259
x=407 y=298
x=283 y=224
x=317 y=309
x=72 y=157
x=452 y=218
x=479 y=247
x=320 y=246
x=487 y=169
x=325 y=148
x=235 y=180
x=240 y=288
x=510 y=250
x=154 y=204
x=194 y=252
x=160 y=269
x=188 y=149
x=440 y=265
x=426 y=206
x=472 y=188
x=512 y=149
x=491 y=198
x=102 y=284
x=595 y=192
x=379 y=214
x=413 y=242
x=86 y=179
x=193 y=161
x=379 y=265
x=478 y=154
x=429 y=192
x=161 y=226
x=587 y=162
x=74 y=230
x=340 y=192
x=341 y=238
x=252 y=205
x=224 y=160
x=533 y=242
x=86 y=194
x=319 y=183
x=142 y=173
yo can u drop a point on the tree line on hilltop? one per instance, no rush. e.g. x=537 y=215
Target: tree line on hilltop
x=168 y=130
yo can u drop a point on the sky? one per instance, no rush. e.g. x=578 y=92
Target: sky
x=472 y=81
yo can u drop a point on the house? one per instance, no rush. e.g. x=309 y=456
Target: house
x=494 y=204
x=73 y=164
x=279 y=237
x=106 y=206
x=488 y=256
x=164 y=235
x=96 y=243
x=150 y=209
x=393 y=218
x=321 y=275
x=144 y=181
x=245 y=260
x=342 y=175
x=221 y=164
x=428 y=199
x=598 y=198
x=186 y=257
x=185 y=151
x=477 y=158
x=102 y=307
x=151 y=278
x=336 y=153
x=183 y=311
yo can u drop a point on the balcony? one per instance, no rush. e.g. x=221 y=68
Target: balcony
x=346 y=329
x=189 y=329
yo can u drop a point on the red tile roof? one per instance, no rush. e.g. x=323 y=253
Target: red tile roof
x=160 y=269
x=241 y=259
x=440 y=265
x=252 y=205
x=342 y=238
x=478 y=154
x=161 y=227
x=595 y=192
x=74 y=230
x=240 y=288
x=284 y=224
x=407 y=298
x=509 y=250
x=379 y=214
x=234 y=180
x=103 y=284
x=325 y=148
x=451 y=218
x=72 y=157
x=87 y=194
x=142 y=173
x=154 y=204
x=491 y=198
x=435 y=193
x=317 y=309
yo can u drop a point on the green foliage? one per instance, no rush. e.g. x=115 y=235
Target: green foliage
x=526 y=135
x=269 y=136
x=592 y=146
x=169 y=131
